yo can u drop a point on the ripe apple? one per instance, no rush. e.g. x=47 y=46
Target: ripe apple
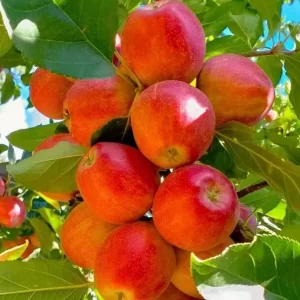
x=134 y=263
x=238 y=89
x=271 y=116
x=91 y=103
x=173 y=293
x=196 y=208
x=82 y=235
x=245 y=213
x=173 y=123
x=182 y=277
x=117 y=182
x=48 y=144
x=163 y=41
x=2 y=187
x=48 y=91
x=12 y=211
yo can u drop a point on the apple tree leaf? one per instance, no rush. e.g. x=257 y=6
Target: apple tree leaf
x=41 y=279
x=75 y=38
x=51 y=170
x=282 y=175
x=13 y=253
x=272 y=66
x=3 y=148
x=5 y=41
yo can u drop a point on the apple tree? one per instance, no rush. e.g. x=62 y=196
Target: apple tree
x=73 y=46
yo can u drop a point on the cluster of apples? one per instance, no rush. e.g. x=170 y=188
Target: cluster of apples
x=193 y=209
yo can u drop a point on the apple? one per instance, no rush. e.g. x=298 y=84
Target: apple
x=92 y=103
x=238 y=89
x=48 y=91
x=82 y=235
x=245 y=213
x=163 y=41
x=12 y=211
x=271 y=116
x=2 y=187
x=49 y=143
x=134 y=263
x=173 y=293
x=182 y=277
x=196 y=208
x=117 y=182
x=173 y=123
x=8 y=244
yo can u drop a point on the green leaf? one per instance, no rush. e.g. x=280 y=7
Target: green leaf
x=283 y=176
x=272 y=66
x=5 y=41
x=251 y=179
x=226 y=44
x=247 y=26
x=292 y=66
x=8 y=88
x=196 y=6
x=45 y=236
x=51 y=217
x=269 y=10
x=269 y=261
x=130 y=4
x=75 y=38
x=28 y=139
x=292 y=232
x=11 y=155
x=13 y=253
x=41 y=279
x=3 y=148
x=51 y=170
x=263 y=200
x=11 y=59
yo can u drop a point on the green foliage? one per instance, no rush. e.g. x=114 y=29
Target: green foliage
x=263 y=262
x=50 y=170
x=13 y=253
x=5 y=41
x=41 y=279
x=272 y=66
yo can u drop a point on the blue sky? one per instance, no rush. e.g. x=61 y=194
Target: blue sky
x=13 y=115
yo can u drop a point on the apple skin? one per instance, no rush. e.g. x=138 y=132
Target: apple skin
x=12 y=211
x=2 y=187
x=48 y=91
x=201 y=206
x=48 y=144
x=245 y=212
x=91 y=103
x=163 y=41
x=134 y=262
x=271 y=116
x=173 y=293
x=117 y=182
x=182 y=277
x=82 y=235
x=173 y=123
x=238 y=89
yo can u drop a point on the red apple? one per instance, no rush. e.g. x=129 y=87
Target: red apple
x=163 y=41
x=117 y=182
x=12 y=211
x=196 y=208
x=245 y=213
x=238 y=89
x=271 y=116
x=173 y=293
x=2 y=187
x=173 y=123
x=134 y=263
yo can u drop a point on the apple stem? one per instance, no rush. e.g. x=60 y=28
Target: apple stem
x=130 y=72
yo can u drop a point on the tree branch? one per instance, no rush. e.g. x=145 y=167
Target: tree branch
x=273 y=51
x=251 y=189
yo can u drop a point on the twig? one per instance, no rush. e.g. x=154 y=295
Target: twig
x=273 y=51
x=251 y=189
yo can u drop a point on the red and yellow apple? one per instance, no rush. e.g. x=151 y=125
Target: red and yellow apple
x=135 y=263
x=182 y=277
x=238 y=89
x=163 y=41
x=92 y=103
x=48 y=91
x=12 y=211
x=196 y=208
x=82 y=235
x=173 y=293
x=271 y=116
x=173 y=123
x=117 y=182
